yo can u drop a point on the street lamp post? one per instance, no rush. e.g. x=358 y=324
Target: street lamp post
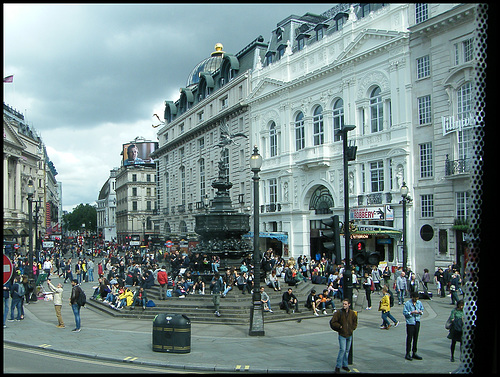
x=256 y=310
x=30 y=190
x=349 y=154
x=406 y=199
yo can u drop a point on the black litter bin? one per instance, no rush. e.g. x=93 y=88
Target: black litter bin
x=172 y=333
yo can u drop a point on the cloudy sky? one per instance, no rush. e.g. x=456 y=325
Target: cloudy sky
x=89 y=77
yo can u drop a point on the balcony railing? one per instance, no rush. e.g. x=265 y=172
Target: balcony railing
x=460 y=166
x=273 y=207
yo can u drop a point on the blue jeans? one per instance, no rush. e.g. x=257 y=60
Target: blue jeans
x=401 y=296
x=16 y=303
x=345 y=346
x=76 y=312
x=385 y=321
x=140 y=301
x=91 y=274
x=5 y=309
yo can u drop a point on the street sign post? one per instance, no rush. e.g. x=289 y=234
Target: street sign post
x=8 y=269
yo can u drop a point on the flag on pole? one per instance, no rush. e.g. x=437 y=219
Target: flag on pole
x=8 y=78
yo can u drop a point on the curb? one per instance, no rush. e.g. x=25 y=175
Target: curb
x=203 y=368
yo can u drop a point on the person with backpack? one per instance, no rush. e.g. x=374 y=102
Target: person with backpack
x=77 y=300
x=17 y=292
x=455 y=326
x=385 y=308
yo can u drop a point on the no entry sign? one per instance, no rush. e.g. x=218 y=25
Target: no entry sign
x=8 y=269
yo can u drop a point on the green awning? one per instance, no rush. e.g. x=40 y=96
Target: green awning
x=378 y=230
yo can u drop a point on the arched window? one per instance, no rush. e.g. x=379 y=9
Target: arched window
x=321 y=201
x=300 y=141
x=318 y=134
x=183 y=227
x=338 y=118
x=167 y=228
x=273 y=140
x=377 y=111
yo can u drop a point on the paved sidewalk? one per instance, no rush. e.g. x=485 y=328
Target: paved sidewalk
x=290 y=346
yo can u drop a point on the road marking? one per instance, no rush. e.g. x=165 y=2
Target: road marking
x=238 y=368
x=44 y=345
x=130 y=358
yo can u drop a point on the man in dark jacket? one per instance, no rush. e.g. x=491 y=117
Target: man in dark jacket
x=344 y=321
x=290 y=301
x=16 y=292
x=73 y=301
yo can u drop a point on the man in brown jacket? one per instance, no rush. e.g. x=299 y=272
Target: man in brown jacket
x=344 y=321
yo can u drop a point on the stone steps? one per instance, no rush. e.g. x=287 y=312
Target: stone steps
x=234 y=308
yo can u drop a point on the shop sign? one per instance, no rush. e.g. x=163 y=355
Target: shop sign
x=451 y=124
x=383 y=212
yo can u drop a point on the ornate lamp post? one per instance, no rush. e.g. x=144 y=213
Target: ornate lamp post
x=406 y=199
x=30 y=190
x=256 y=311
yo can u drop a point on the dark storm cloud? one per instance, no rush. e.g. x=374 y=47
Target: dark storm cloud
x=90 y=76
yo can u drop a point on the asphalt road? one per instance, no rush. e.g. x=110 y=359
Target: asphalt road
x=29 y=360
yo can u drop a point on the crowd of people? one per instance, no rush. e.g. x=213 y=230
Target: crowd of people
x=124 y=277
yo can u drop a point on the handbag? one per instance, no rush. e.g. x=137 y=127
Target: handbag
x=372 y=287
x=448 y=323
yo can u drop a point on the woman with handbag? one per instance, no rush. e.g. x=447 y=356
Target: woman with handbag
x=455 y=325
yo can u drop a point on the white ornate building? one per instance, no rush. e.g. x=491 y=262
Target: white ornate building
x=106 y=209
x=360 y=65
x=25 y=159
x=444 y=54
x=135 y=189
x=347 y=66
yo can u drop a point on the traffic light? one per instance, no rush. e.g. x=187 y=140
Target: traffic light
x=373 y=258
x=363 y=257
x=359 y=252
x=332 y=236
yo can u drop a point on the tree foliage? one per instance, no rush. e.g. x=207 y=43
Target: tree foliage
x=81 y=214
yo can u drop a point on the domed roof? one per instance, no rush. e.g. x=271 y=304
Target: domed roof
x=210 y=65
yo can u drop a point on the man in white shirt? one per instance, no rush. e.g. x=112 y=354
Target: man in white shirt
x=47 y=267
